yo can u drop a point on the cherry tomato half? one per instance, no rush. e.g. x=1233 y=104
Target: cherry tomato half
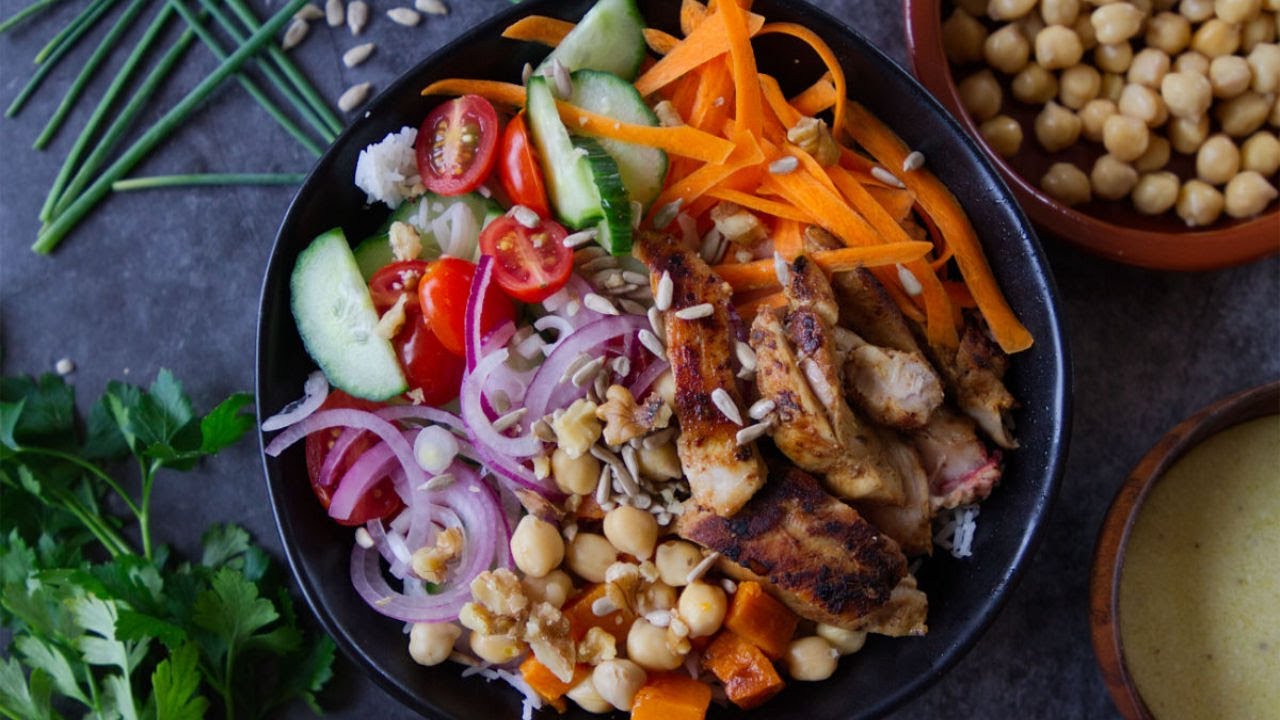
x=443 y=293
x=428 y=365
x=519 y=171
x=457 y=145
x=389 y=283
x=381 y=501
x=532 y=263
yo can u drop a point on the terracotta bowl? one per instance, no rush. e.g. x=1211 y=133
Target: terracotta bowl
x=1113 y=230
x=1109 y=553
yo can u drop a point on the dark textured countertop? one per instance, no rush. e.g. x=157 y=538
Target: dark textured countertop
x=171 y=279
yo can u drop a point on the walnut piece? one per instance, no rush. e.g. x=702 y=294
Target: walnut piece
x=392 y=320
x=625 y=420
x=549 y=636
x=431 y=563
x=597 y=646
x=405 y=242
x=667 y=114
x=577 y=428
x=500 y=592
x=737 y=224
x=814 y=137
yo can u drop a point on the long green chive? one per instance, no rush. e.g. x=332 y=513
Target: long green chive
x=64 y=223
x=104 y=49
x=272 y=74
x=290 y=70
x=149 y=38
x=207 y=179
x=26 y=12
x=78 y=26
x=266 y=102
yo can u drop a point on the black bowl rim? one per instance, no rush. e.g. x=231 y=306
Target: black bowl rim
x=1055 y=343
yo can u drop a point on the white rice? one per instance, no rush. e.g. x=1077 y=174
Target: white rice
x=954 y=531
x=385 y=169
x=531 y=699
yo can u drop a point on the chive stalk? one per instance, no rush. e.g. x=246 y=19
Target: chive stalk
x=51 y=235
x=108 y=43
x=29 y=11
x=149 y=38
x=263 y=99
x=207 y=179
x=78 y=27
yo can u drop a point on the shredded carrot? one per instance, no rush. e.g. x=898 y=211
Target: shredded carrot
x=501 y=93
x=959 y=294
x=788 y=240
x=702 y=180
x=742 y=62
x=861 y=200
x=954 y=225
x=778 y=102
x=804 y=191
x=888 y=277
x=895 y=201
x=748 y=310
x=759 y=204
x=940 y=317
x=540 y=29
x=692 y=13
x=760 y=274
x=711 y=104
x=709 y=40
x=660 y=42
x=818 y=97
x=829 y=58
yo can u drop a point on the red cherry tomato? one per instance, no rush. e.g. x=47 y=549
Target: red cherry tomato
x=428 y=365
x=457 y=145
x=443 y=293
x=518 y=168
x=531 y=263
x=388 y=284
x=381 y=501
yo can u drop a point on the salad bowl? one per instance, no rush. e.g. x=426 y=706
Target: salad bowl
x=965 y=594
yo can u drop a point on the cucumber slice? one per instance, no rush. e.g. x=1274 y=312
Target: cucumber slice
x=644 y=169
x=567 y=172
x=609 y=37
x=615 y=204
x=375 y=252
x=336 y=320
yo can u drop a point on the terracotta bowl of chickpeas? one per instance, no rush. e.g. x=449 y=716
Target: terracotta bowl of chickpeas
x=1144 y=131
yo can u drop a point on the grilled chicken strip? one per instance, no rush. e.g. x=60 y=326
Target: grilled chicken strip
x=723 y=475
x=976 y=374
x=894 y=388
x=808 y=548
x=960 y=469
x=910 y=524
x=903 y=615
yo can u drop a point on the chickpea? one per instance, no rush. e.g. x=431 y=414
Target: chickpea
x=976 y=8
x=1079 y=85
x=1067 y=184
x=1164 y=5
x=1248 y=194
x=1237 y=11
x=1243 y=114
x=1057 y=128
x=1261 y=153
x=554 y=588
x=1059 y=12
x=1156 y=156
x=1116 y=22
x=1093 y=116
x=1144 y=5
x=632 y=531
x=811 y=659
x=1155 y=193
x=675 y=560
x=431 y=643
x=589 y=556
x=1009 y=9
x=1112 y=85
x=1112 y=178
x=1003 y=134
x=1199 y=203
x=962 y=37
x=1125 y=137
x=647 y=646
x=1113 y=58
x=1188 y=134
x=1169 y=32
x=659 y=463
x=1229 y=75
x=1034 y=85
x=536 y=546
x=1149 y=67
x=576 y=476
x=1007 y=49
x=702 y=606
x=981 y=95
x=1030 y=25
x=1264 y=60
x=1217 y=160
x=1196 y=10
x=1192 y=62
x=1216 y=38
x=1186 y=94
x=1058 y=47
x=1084 y=31
x=618 y=681
x=1259 y=30
x=1143 y=103
x=496 y=649
x=846 y=642
x=655 y=596
x=586 y=697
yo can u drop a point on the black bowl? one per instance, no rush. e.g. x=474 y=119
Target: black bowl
x=964 y=595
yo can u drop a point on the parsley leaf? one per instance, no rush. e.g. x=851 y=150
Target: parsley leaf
x=176 y=684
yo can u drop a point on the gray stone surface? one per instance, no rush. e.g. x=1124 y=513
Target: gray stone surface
x=171 y=278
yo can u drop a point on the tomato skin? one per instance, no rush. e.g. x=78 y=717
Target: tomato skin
x=386 y=285
x=381 y=501
x=443 y=293
x=519 y=171
x=428 y=365
x=531 y=264
x=457 y=145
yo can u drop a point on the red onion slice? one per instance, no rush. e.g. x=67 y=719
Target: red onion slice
x=546 y=392
x=477 y=420
x=648 y=377
x=471 y=319
x=314 y=392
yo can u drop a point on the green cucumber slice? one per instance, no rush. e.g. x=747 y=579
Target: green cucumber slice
x=568 y=174
x=375 y=252
x=615 y=203
x=644 y=169
x=336 y=321
x=609 y=37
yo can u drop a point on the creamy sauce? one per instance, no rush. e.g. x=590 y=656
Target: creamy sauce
x=1200 y=588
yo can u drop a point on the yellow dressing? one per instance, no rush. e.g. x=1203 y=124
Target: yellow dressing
x=1200 y=588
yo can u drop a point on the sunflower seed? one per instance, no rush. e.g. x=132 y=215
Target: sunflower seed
x=743 y=256
x=761 y=408
x=526 y=73
x=580 y=238
x=909 y=281
x=688 y=227
x=784 y=165
x=656 y=322
x=309 y=12
x=666 y=289
x=600 y=388
x=657 y=618
x=587 y=373
x=637 y=213
x=746 y=355
x=729 y=586
x=431 y=7
x=701 y=568
x=295 y=34
x=563 y=83
x=781 y=270
x=886 y=177
x=609 y=279
x=631 y=461
x=725 y=404
x=509 y=419
x=439 y=482
x=357 y=16
x=643 y=502
x=679 y=627
x=574 y=366
x=357 y=55
x=501 y=401
x=570 y=530
x=407 y=17
x=634 y=277
x=713 y=246
x=667 y=213
x=696 y=312
x=542 y=430
x=652 y=343
x=364 y=539
x=602 y=606
x=913 y=161
x=354 y=97
x=334 y=12
x=598 y=262
x=751 y=433
x=631 y=307
x=658 y=439
x=621 y=366
x=599 y=304
x=527 y=217
x=602 y=486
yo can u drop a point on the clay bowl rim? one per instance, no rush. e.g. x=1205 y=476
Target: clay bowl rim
x=1205 y=249
x=1113 y=537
